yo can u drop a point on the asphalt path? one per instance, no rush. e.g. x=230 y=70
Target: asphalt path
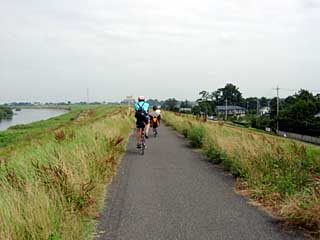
x=172 y=192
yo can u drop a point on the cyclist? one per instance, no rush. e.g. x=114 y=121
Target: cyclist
x=155 y=118
x=141 y=114
x=158 y=111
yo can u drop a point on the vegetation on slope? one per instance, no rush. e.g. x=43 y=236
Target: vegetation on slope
x=281 y=174
x=53 y=176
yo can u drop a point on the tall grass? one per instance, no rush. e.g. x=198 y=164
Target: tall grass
x=52 y=187
x=281 y=174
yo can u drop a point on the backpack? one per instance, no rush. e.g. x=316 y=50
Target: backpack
x=154 y=122
x=155 y=119
x=141 y=114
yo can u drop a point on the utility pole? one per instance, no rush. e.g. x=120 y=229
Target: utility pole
x=278 y=106
x=226 y=117
x=258 y=106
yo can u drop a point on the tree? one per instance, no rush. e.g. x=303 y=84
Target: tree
x=297 y=114
x=231 y=93
x=273 y=106
x=171 y=104
x=5 y=112
x=264 y=102
x=154 y=102
x=196 y=110
x=204 y=95
x=251 y=105
x=206 y=107
x=185 y=104
x=205 y=103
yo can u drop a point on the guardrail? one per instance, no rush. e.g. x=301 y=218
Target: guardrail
x=300 y=137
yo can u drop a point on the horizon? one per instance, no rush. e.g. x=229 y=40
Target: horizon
x=314 y=92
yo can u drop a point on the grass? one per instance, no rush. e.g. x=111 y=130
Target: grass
x=282 y=174
x=53 y=175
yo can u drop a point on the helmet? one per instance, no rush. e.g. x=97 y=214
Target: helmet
x=141 y=98
x=155 y=108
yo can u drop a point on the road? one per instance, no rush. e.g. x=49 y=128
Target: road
x=173 y=193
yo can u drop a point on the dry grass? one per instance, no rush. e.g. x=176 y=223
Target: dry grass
x=282 y=175
x=52 y=188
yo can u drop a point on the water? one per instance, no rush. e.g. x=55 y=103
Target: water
x=26 y=116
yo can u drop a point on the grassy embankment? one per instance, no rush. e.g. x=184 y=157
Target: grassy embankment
x=27 y=132
x=53 y=173
x=281 y=174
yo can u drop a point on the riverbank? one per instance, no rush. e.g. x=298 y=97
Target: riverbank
x=53 y=173
x=28 y=116
x=28 y=131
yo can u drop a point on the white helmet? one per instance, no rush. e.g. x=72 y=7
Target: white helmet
x=141 y=98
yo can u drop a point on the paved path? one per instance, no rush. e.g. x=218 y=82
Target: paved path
x=172 y=193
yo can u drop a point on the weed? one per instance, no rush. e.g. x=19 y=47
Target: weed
x=196 y=136
x=59 y=135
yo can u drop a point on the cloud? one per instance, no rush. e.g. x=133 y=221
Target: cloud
x=118 y=42
x=122 y=34
x=310 y=4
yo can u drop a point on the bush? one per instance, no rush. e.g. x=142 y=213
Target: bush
x=5 y=112
x=185 y=132
x=213 y=153
x=196 y=136
x=242 y=123
x=20 y=127
x=261 y=122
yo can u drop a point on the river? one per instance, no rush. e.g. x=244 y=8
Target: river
x=26 y=116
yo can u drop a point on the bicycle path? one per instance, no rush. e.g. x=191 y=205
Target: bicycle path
x=172 y=193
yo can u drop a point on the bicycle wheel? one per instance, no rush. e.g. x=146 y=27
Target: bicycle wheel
x=155 y=132
x=143 y=142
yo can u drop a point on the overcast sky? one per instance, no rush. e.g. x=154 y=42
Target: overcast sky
x=54 y=50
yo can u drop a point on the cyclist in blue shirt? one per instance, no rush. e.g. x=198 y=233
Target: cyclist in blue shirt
x=142 y=115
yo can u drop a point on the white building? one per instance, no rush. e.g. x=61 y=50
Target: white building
x=264 y=111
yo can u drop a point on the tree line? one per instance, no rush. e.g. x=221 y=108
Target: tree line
x=297 y=113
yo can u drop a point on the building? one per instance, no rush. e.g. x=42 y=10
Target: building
x=231 y=110
x=264 y=111
x=185 y=110
x=317 y=115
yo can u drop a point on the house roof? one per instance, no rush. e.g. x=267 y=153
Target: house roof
x=230 y=108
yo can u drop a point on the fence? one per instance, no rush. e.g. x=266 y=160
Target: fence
x=304 y=138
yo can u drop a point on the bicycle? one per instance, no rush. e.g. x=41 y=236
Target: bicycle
x=142 y=142
x=155 y=132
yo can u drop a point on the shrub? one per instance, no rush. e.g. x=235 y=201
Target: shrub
x=213 y=153
x=20 y=126
x=185 y=132
x=196 y=136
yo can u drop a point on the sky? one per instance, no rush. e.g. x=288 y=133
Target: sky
x=54 y=50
